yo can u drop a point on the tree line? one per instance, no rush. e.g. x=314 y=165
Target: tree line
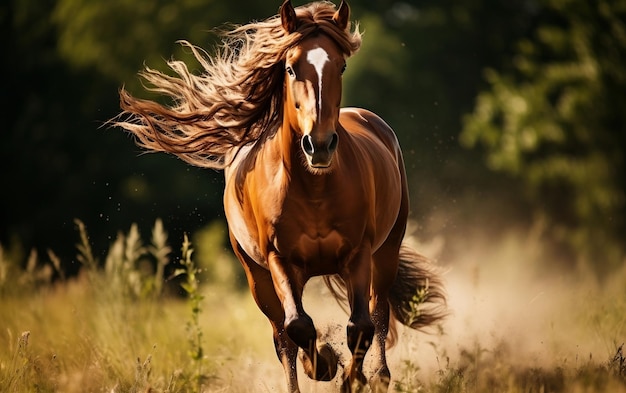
x=509 y=113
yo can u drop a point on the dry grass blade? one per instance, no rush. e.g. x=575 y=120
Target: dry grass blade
x=85 y=254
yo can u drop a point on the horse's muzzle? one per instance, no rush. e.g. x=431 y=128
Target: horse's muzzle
x=319 y=153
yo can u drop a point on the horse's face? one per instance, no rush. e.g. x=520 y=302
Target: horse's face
x=313 y=72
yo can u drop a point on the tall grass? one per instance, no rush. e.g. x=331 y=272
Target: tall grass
x=111 y=328
x=115 y=327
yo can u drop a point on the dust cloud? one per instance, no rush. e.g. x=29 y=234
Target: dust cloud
x=506 y=302
x=506 y=297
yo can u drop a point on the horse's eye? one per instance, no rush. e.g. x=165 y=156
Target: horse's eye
x=290 y=71
x=343 y=69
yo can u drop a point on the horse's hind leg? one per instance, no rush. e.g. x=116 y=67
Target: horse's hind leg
x=383 y=274
x=385 y=267
x=382 y=279
x=360 y=330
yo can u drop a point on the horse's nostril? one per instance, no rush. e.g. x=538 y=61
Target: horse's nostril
x=307 y=145
x=332 y=146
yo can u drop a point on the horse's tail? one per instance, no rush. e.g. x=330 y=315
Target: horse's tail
x=417 y=298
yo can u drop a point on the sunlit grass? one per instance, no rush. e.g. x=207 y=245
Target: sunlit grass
x=106 y=330
x=79 y=343
x=512 y=328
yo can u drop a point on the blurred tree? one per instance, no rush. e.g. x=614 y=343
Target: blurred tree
x=57 y=162
x=420 y=68
x=115 y=37
x=555 y=119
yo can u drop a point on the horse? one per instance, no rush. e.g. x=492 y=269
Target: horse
x=311 y=188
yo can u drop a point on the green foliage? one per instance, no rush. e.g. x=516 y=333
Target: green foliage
x=419 y=68
x=137 y=32
x=378 y=61
x=217 y=264
x=555 y=121
x=415 y=303
x=55 y=105
x=134 y=32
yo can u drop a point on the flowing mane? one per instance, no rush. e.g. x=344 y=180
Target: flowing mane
x=236 y=99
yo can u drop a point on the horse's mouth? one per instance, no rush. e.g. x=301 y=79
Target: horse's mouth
x=319 y=168
x=319 y=164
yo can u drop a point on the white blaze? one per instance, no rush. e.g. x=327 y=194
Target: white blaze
x=317 y=58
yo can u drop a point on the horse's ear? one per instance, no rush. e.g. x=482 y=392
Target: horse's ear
x=342 y=16
x=288 y=17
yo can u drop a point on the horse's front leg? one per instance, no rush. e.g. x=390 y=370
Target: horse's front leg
x=264 y=294
x=360 y=330
x=319 y=364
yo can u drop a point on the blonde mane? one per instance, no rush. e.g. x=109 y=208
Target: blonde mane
x=237 y=98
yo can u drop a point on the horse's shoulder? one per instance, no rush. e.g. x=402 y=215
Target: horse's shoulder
x=363 y=121
x=360 y=115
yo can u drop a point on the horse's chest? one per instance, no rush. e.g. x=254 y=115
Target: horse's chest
x=313 y=249
x=315 y=238
x=316 y=253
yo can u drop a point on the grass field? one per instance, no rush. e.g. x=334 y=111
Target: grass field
x=512 y=327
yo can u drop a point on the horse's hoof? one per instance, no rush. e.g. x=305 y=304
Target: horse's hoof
x=301 y=330
x=325 y=368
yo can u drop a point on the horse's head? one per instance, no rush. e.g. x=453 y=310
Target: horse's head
x=313 y=70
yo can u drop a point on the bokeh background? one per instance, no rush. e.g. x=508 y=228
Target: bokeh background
x=511 y=115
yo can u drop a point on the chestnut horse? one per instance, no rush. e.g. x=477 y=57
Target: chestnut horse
x=311 y=189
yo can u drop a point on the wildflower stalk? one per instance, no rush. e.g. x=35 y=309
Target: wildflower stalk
x=191 y=287
x=416 y=302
